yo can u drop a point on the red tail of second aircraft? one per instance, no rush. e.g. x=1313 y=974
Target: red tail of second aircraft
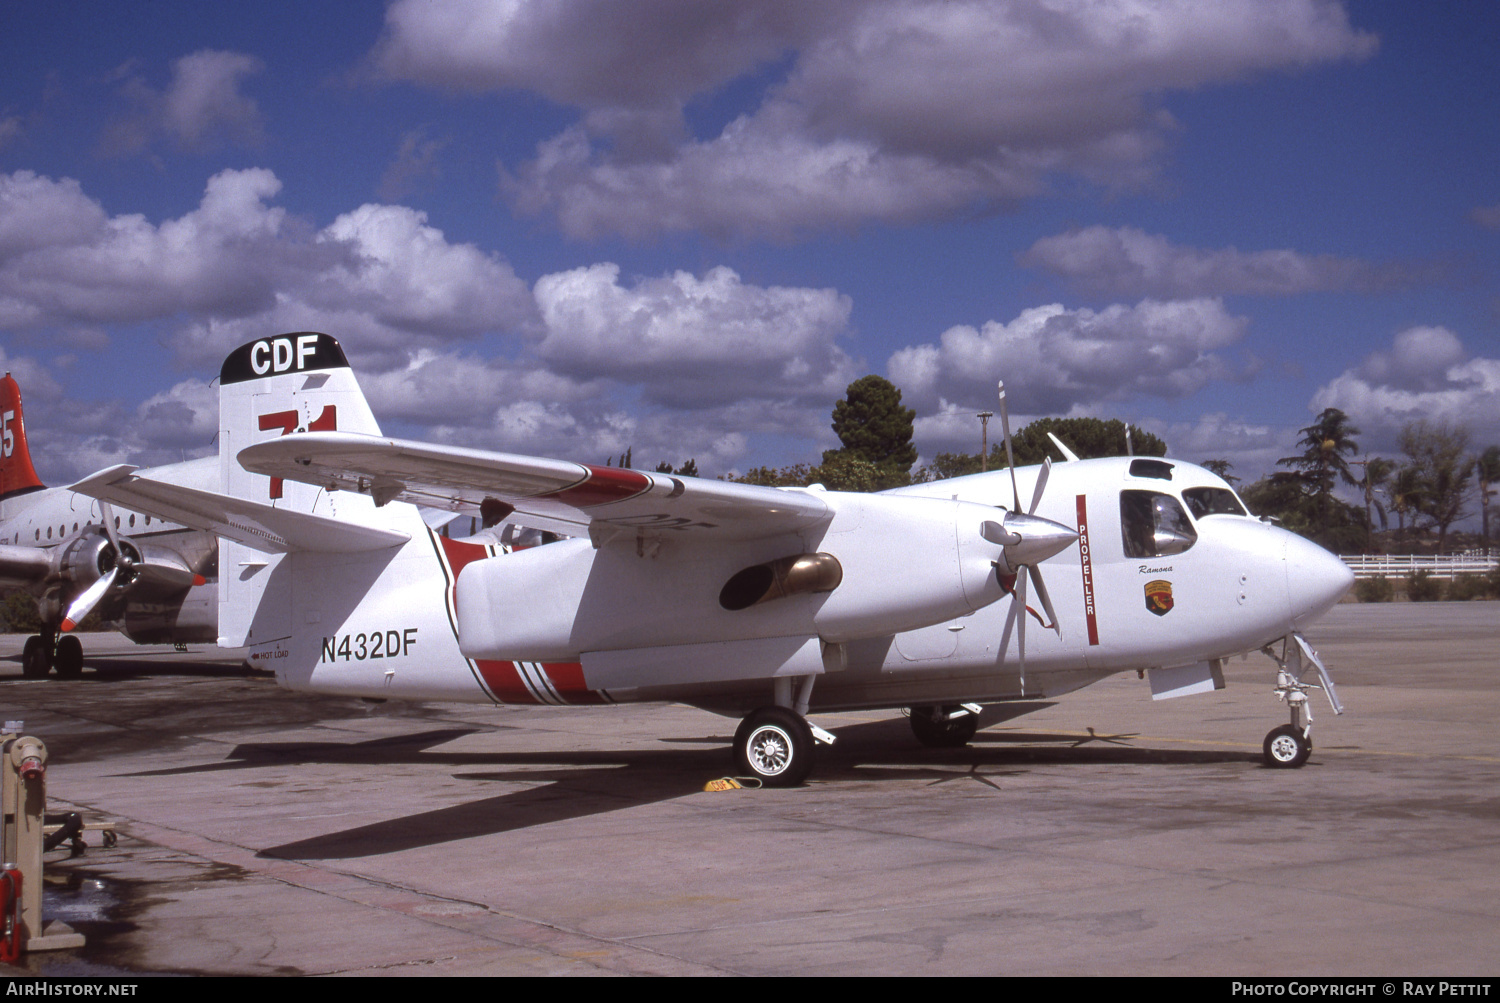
x=17 y=475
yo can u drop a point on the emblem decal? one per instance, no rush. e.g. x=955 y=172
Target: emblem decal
x=1159 y=596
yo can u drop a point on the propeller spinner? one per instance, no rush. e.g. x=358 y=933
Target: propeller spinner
x=123 y=571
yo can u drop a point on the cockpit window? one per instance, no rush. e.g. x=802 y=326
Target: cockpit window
x=1212 y=501
x=1154 y=525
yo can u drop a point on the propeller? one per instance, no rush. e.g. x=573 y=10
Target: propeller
x=123 y=570
x=1026 y=540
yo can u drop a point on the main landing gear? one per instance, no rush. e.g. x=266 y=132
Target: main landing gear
x=45 y=651
x=777 y=744
x=947 y=727
x=1287 y=747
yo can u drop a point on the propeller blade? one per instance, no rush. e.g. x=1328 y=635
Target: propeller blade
x=1010 y=457
x=1041 y=485
x=1041 y=593
x=85 y=603
x=1010 y=623
x=108 y=513
x=1020 y=604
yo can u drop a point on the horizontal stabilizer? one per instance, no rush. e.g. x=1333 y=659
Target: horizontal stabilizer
x=258 y=526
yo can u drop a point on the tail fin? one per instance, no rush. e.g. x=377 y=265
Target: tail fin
x=278 y=386
x=17 y=475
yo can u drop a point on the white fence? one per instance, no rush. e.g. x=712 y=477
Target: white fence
x=1402 y=565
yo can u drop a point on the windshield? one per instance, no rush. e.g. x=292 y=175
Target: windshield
x=1212 y=501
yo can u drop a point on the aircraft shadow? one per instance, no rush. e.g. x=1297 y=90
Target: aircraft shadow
x=579 y=783
x=109 y=669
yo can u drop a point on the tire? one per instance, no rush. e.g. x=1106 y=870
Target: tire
x=1286 y=748
x=69 y=657
x=34 y=661
x=774 y=746
x=947 y=733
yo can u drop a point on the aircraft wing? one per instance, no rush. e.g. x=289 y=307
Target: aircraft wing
x=22 y=566
x=256 y=525
x=551 y=493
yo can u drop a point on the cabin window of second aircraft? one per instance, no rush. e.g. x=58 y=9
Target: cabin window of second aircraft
x=1153 y=524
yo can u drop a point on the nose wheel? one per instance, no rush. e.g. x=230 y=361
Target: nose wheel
x=1287 y=748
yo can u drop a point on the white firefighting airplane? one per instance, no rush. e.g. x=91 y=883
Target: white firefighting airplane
x=749 y=601
x=76 y=555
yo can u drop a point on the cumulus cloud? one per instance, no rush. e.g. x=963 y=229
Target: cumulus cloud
x=895 y=110
x=1053 y=359
x=64 y=261
x=1128 y=261
x=201 y=107
x=237 y=266
x=693 y=342
x=450 y=344
x=1426 y=374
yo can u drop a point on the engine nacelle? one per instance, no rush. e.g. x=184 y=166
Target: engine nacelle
x=903 y=562
x=88 y=557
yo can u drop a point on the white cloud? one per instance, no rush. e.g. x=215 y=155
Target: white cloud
x=1428 y=375
x=586 y=53
x=693 y=342
x=893 y=110
x=1053 y=359
x=201 y=108
x=237 y=266
x=1128 y=261
x=444 y=335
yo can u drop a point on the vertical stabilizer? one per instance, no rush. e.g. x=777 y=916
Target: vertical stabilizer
x=17 y=475
x=279 y=385
x=362 y=622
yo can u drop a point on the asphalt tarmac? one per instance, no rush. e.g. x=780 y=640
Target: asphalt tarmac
x=267 y=833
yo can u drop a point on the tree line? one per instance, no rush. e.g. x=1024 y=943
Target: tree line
x=1430 y=489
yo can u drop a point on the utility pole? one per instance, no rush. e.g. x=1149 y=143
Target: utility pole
x=984 y=439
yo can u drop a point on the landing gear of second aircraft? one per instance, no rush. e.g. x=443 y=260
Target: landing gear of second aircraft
x=46 y=651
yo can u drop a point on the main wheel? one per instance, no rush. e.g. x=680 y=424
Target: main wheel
x=943 y=732
x=69 y=657
x=1286 y=748
x=775 y=746
x=34 y=661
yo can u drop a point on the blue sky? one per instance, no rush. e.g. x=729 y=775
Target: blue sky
x=571 y=228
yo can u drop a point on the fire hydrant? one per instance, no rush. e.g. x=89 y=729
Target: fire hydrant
x=23 y=805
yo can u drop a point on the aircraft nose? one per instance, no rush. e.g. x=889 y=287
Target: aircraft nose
x=1316 y=580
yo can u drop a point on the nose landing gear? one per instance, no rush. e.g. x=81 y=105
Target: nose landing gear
x=1289 y=746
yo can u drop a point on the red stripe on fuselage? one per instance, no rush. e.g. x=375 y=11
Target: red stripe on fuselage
x=504 y=678
x=604 y=485
x=567 y=679
x=1087 y=564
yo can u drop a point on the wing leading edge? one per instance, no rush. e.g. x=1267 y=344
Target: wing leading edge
x=571 y=495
